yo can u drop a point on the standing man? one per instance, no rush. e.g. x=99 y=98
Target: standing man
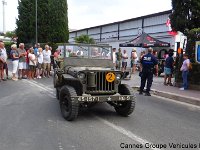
x=4 y=57
x=114 y=57
x=124 y=60
x=119 y=59
x=148 y=62
x=39 y=63
x=46 y=61
x=22 y=61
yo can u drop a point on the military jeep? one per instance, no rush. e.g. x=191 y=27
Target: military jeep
x=85 y=75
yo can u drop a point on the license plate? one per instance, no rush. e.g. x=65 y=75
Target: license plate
x=124 y=98
x=104 y=98
x=88 y=99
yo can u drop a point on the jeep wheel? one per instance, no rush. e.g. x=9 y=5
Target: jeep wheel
x=69 y=107
x=55 y=79
x=127 y=107
x=57 y=94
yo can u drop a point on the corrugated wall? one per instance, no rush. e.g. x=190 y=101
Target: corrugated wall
x=119 y=32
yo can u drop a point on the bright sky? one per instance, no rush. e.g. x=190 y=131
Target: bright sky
x=88 y=13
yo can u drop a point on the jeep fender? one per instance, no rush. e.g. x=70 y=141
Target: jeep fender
x=73 y=82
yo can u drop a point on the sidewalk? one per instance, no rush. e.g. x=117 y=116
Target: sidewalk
x=187 y=96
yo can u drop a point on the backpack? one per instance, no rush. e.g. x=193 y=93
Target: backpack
x=190 y=66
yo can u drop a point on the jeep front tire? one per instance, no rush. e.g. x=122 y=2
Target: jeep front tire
x=125 y=108
x=69 y=107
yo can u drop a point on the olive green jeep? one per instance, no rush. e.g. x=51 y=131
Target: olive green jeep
x=84 y=75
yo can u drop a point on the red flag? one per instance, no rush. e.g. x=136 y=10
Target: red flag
x=170 y=31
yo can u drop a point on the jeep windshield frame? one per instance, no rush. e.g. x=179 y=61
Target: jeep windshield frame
x=91 y=51
x=86 y=55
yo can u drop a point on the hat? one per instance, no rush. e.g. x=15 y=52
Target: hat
x=134 y=49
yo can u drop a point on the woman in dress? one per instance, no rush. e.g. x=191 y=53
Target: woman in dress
x=15 y=61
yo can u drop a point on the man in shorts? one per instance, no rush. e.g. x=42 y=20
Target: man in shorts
x=39 y=63
x=119 y=59
x=46 y=61
x=22 y=61
x=124 y=60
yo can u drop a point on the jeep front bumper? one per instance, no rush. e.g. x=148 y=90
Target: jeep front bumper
x=103 y=98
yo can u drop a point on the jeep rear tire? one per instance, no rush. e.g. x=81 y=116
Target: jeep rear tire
x=57 y=94
x=69 y=107
x=125 y=108
x=55 y=80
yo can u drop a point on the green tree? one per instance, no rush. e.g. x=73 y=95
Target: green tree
x=26 y=21
x=10 y=34
x=185 y=15
x=84 y=39
x=59 y=21
x=52 y=21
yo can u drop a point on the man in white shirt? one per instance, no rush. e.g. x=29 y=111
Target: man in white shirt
x=46 y=61
x=124 y=60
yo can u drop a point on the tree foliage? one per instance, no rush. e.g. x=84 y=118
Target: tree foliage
x=26 y=21
x=52 y=21
x=84 y=39
x=10 y=34
x=185 y=15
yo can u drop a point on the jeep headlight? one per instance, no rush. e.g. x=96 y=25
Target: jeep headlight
x=118 y=76
x=81 y=75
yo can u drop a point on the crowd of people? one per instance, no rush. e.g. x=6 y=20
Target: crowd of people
x=35 y=63
x=147 y=64
x=32 y=63
x=120 y=59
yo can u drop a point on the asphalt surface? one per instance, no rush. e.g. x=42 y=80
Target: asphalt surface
x=30 y=119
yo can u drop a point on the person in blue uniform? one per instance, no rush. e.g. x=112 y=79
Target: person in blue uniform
x=148 y=63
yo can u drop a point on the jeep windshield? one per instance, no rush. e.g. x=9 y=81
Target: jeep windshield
x=86 y=51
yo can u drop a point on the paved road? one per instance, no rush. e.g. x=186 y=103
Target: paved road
x=30 y=120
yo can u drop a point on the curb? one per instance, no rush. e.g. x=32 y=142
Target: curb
x=175 y=97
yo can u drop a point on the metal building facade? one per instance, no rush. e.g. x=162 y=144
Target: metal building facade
x=122 y=31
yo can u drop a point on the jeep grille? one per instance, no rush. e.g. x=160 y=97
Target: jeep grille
x=102 y=86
